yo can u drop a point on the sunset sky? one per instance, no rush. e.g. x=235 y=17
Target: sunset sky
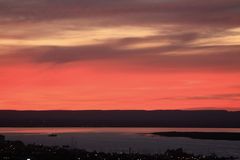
x=119 y=54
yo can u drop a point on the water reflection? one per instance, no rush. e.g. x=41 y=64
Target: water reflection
x=110 y=130
x=121 y=139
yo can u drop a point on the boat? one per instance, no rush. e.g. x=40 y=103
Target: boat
x=52 y=135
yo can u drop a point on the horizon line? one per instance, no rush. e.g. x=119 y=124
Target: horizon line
x=193 y=110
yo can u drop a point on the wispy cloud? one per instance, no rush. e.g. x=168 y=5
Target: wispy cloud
x=188 y=34
x=229 y=96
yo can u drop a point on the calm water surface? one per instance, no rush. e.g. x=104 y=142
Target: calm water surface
x=121 y=139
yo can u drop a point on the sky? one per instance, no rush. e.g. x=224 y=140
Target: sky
x=119 y=54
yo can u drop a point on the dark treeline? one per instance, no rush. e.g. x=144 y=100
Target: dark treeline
x=140 y=118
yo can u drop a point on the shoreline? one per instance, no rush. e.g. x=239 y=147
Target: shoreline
x=230 y=136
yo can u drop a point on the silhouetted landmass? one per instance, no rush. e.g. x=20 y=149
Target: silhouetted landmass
x=16 y=150
x=139 y=118
x=202 y=135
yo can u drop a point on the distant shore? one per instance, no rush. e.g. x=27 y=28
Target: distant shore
x=231 y=136
x=121 y=118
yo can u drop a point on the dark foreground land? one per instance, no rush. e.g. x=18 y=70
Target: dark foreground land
x=203 y=135
x=124 y=118
x=16 y=150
